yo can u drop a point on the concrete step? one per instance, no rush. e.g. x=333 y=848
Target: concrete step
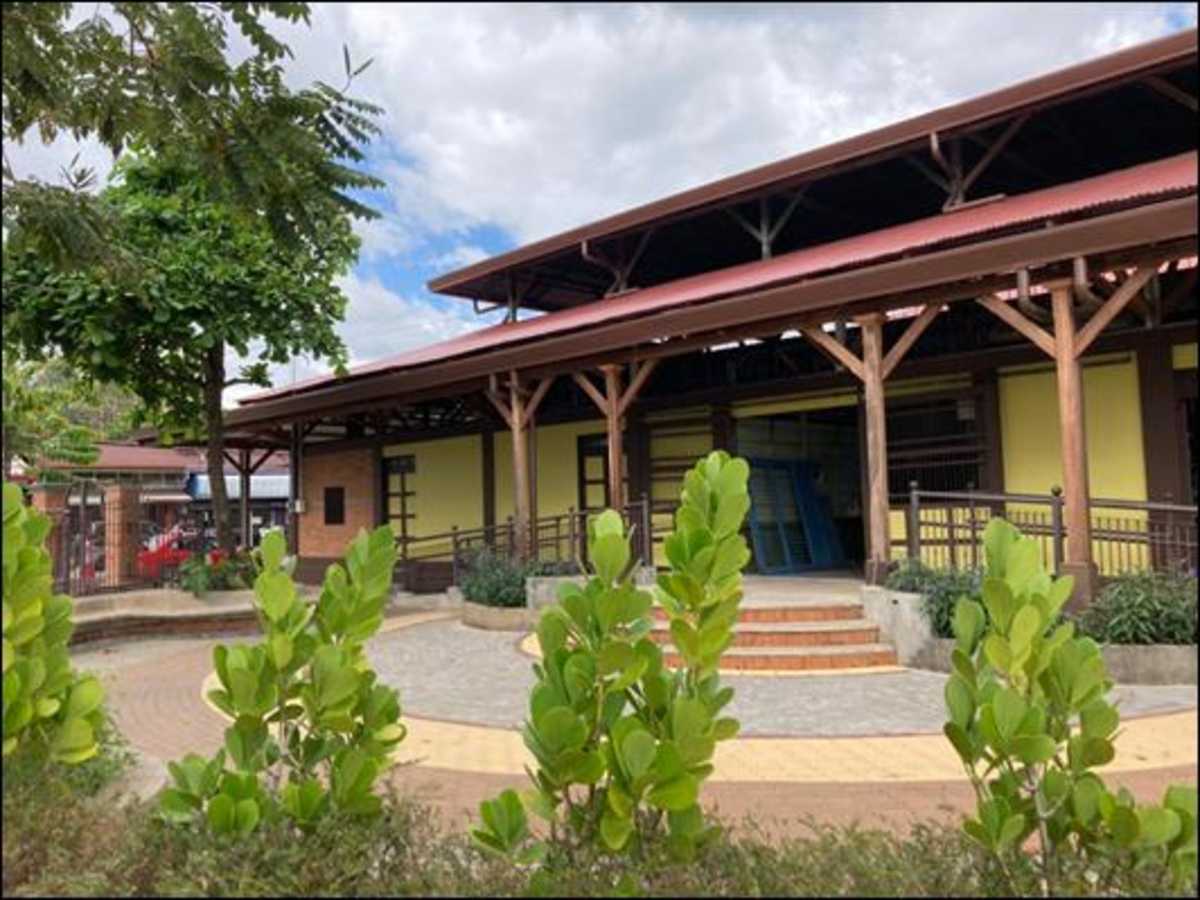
x=795 y=634
x=799 y=612
x=849 y=656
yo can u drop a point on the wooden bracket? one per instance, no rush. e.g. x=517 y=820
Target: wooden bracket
x=590 y=389
x=640 y=376
x=1041 y=338
x=833 y=349
x=914 y=330
x=1121 y=298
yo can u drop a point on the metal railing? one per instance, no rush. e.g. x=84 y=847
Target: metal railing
x=560 y=538
x=943 y=529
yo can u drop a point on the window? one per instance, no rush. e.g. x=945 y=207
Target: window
x=398 y=492
x=335 y=506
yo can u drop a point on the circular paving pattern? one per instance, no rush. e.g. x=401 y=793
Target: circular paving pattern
x=446 y=670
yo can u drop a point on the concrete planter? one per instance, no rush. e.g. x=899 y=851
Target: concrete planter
x=900 y=620
x=1126 y=663
x=542 y=591
x=496 y=618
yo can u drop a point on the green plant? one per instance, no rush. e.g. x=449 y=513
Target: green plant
x=46 y=705
x=1016 y=689
x=196 y=575
x=622 y=744
x=1143 y=608
x=305 y=704
x=494 y=579
x=200 y=575
x=940 y=590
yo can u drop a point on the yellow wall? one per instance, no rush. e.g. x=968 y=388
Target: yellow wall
x=557 y=468
x=1183 y=356
x=1112 y=416
x=448 y=483
x=685 y=443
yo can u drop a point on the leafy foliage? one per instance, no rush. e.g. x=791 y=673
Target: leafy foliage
x=158 y=76
x=200 y=575
x=36 y=427
x=622 y=744
x=492 y=578
x=1016 y=689
x=1143 y=608
x=305 y=704
x=48 y=710
x=940 y=591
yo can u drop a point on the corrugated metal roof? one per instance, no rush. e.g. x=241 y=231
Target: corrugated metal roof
x=131 y=456
x=974 y=112
x=1127 y=187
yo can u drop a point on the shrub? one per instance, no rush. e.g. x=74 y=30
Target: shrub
x=493 y=579
x=1143 y=608
x=1015 y=691
x=199 y=573
x=305 y=703
x=940 y=590
x=46 y=705
x=622 y=744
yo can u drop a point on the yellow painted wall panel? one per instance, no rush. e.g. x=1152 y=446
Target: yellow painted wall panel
x=557 y=467
x=448 y=483
x=1113 y=420
x=1183 y=356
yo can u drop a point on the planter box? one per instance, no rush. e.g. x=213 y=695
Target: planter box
x=543 y=590
x=900 y=620
x=496 y=618
x=1126 y=663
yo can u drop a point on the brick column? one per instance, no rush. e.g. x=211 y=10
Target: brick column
x=121 y=538
x=51 y=499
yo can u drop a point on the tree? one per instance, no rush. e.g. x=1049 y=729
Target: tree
x=157 y=75
x=215 y=281
x=36 y=429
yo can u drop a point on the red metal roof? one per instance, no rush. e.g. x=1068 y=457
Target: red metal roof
x=131 y=456
x=974 y=112
x=1128 y=187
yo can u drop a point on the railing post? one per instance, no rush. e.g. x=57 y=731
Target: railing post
x=914 y=522
x=454 y=553
x=1056 y=526
x=647 y=539
x=971 y=524
x=572 y=538
x=512 y=538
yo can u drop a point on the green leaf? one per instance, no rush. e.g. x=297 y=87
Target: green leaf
x=1033 y=748
x=968 y=624
x=959 y=702
x=615 y=829
x=638 y=750
x=1156 y=825
x=273 y=548
x=677 y=794
x=222 y=814
x=1026 y=625
x=1009 y=709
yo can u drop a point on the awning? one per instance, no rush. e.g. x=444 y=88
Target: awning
x=166 y=497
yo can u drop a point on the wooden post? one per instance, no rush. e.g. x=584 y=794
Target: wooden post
x=244 y=496
x=877 y=470
x=1078 y=561
x=522 y=500
x=294 y=454
x=914 y=522
x=612 y=415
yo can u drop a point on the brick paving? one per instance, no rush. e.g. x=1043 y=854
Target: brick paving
x=155 y=692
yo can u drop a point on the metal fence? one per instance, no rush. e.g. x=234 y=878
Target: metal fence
x=943 y=529
x=559 y=539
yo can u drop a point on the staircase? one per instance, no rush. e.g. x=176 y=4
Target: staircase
x=801 y=634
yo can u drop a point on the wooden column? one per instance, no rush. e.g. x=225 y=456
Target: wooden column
x=1069 y=375
x=518 y=411
x=612 y=416
x=294 y=461
x=879 y=545
x=872 y=370
x=243 y=468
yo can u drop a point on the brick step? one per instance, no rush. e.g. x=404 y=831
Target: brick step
x=795 y=634
x=851 y=656
x=807 y=612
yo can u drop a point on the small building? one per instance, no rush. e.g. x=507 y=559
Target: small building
x=986 y=309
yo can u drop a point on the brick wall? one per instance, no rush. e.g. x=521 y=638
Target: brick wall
x=352 y=470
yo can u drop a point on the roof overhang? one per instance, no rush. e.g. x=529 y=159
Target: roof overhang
x=976 y=113
x=1164 y=229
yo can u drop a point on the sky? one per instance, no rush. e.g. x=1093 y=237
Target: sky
x=508 y=123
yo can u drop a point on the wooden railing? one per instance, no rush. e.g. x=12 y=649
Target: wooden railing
x=943 y=529
x=560 y=538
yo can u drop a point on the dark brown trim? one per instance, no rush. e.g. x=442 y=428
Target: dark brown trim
x=970 y=115
x=724 y=429
x=987 y=387
x=488 y=441
x=379 y=507
x=947 y=275
x=295 y=464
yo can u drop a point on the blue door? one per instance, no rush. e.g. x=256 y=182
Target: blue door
x=791 y=524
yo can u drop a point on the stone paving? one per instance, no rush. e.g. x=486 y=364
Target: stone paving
x=446 y=670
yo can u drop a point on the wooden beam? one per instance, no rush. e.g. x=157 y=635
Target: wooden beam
x=832 y=348
x=488 y=454
x=244 y=497
x=500 y=405
x=536 y=398
x=994 y=151
x=612 y=388
x=636 y=384
x=267 y=454
x=590 y=389
x=879 y=545
x=1005 y=312
x=914 y=330
x=1078 y=557
x=1167 y=89
x=234 y=461
x=1112 y=307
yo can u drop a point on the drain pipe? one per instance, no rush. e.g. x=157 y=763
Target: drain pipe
x=1084 y=294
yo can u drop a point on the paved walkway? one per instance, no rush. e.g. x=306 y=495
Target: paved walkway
x=450 y=672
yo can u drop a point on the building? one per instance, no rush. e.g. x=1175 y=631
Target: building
x=998 y=296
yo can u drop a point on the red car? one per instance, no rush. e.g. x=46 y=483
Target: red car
x=164 y=551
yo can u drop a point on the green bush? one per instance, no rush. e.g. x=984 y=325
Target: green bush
x=1143 y=608
x=940 y=590
x=1020 y=682
x=46 y=705
x=622 y=744
x=311 y=728
x=494 y=579
x=236 y=572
